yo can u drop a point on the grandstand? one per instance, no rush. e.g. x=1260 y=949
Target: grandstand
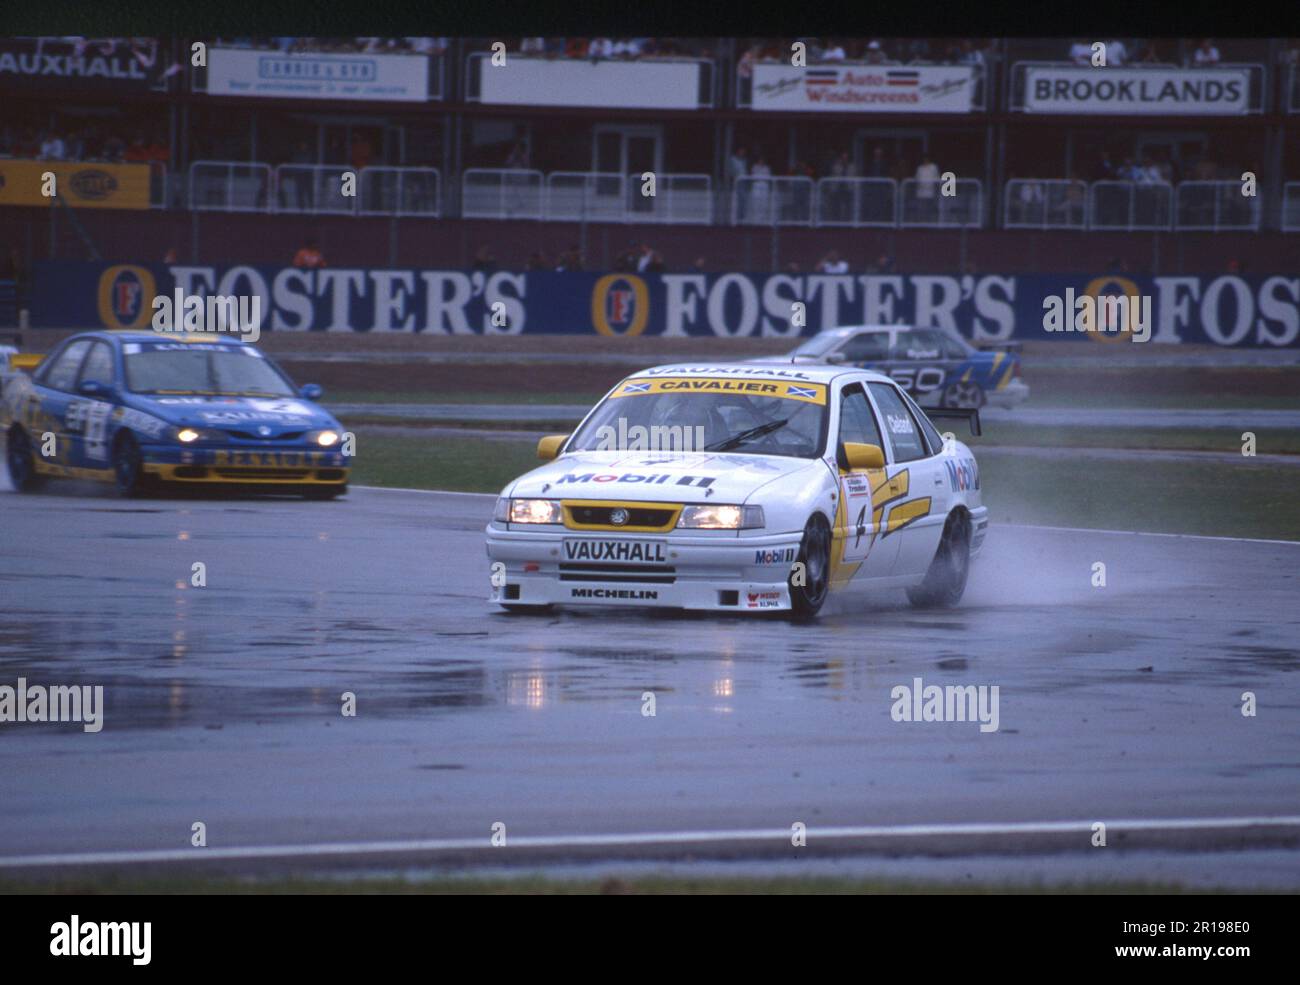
x=990 y=154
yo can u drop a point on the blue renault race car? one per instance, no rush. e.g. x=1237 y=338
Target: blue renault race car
x=140 y=409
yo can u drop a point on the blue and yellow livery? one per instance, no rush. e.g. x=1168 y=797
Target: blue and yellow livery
x=140 y=409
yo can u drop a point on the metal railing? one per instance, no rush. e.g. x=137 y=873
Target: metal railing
x=400 y=191
x=586 y=196
x=678 y=198
x=230 y=186
x=924 y=204
x=760 y=200
x=857 y=202
x=502 y=193
x=1291 y=207
x=1130 y=205
x=1215 y=206
x=1037 y=203
x=317 y=189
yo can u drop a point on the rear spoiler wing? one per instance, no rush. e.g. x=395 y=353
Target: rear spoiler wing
x=969 y=414
x=1012 y=348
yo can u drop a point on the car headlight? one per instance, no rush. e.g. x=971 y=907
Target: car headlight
x=188 y=436
x=536 y=511
x=326 y=438
x=721 y=517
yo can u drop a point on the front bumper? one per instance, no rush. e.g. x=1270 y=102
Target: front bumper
x=263 y=466
x=723 y=573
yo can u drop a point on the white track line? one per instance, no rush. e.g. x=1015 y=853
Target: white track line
x=1015 y=526
x=775 y=835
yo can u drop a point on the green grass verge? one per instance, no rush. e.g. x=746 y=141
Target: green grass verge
x=460 y=464
x=534 y=884
x=1247 y=500
x=1160 y=497
x=1268 y=441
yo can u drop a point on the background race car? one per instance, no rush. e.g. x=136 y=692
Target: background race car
x=139 y=409
x=938 y=368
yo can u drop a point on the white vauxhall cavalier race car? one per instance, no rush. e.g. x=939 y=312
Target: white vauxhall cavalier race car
x=741 y=487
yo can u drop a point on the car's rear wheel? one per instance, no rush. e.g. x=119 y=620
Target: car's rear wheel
x=810 y=577
x=128 y=466
x=21 y=460
x=961 y=394
x=945 y=581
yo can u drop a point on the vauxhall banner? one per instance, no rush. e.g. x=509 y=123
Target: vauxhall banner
x=864 y=88
x=1137 y=91
x=1256 y=311
x=68 y=64
x=386 y=78
x=85 y=186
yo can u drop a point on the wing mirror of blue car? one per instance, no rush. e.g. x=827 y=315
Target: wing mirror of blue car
x=862 y=456
x=311 y=391
x=94 y=388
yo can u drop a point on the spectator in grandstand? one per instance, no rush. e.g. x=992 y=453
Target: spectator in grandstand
x=833 y=52
x=518 y=159
x=970 y=55
x=484 y=261
x=1028 y=201
x=1206 y=55
x=699 y=266
x=1148 y=53
x=841 y=193
x=875 y=54
x=1081 y=53
x=570 y=259
x=600 y=48
x=649 y=262
x=361 y=152
x=1116 y=53
x=745 y=66
x=927 y=187
x=53 y=147
x=554 y=47
x=309 y=257
x=832 y=263
x=918 y=50
x=737 y=168
x=877 y=167
x=760 y=190
x=884 y=264
x=537 y=261
x=532 y=46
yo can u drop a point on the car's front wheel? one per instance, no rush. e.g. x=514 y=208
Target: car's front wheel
x=963 y=395
x=810 y=577
x=21 y=460
x=128 y=466
x=945 y=581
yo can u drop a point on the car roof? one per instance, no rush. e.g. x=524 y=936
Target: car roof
x=859 y=329
x=810 y=372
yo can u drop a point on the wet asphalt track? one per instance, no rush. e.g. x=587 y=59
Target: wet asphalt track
x=223 y=702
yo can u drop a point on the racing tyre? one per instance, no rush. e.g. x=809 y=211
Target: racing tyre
x=945 y=582
x=22 y=462
x=324 y=492
x=128 y=467
x=959 y=394
x=815 y=555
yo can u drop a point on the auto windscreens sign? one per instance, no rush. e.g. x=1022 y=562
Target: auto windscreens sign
x=386 y=78
x=1136 y=92
x=864 y=88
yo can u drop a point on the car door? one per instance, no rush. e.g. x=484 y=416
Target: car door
x=859 y=550
x=55 y=392
x=916 y=505
x=88 y=414
x=868 y=350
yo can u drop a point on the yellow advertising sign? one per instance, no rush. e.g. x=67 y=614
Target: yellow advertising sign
x=90 y=186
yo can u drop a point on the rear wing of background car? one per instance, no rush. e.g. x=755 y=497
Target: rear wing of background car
x=12 y=358
x=970 y=414
x=1013 y=348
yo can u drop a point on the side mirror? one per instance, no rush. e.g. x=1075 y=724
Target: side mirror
x=93 y=388
x=311 y=391
x=549 y=447
x=860 y=456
